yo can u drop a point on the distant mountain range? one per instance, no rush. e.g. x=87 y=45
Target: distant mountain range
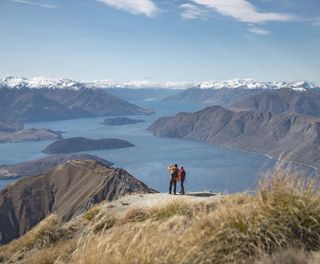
x=38 y=83
x=289 y=98
x=21 y=101
x=66 y=190
x=288 y=136
x=281 y=101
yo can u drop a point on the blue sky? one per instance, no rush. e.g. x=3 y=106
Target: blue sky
x=176 y=40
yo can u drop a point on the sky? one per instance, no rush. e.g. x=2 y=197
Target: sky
x=167 y=40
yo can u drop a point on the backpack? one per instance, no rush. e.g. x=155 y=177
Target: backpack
x=174 y=174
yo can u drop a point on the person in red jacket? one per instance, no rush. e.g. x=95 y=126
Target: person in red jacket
x=182 y=174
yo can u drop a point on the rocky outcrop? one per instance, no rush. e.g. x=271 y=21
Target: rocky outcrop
x=33 y=167
x=66 y=190
x=289 y=136
x=79 y=144
x=31 y=134
x=119 y=121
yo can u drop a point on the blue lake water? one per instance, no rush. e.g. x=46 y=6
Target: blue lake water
x=208 y=167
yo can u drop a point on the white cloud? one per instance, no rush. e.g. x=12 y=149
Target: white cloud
x=137 y=7
x=243 y=10
x=259 y=31
x=27 y=2
x=191 y=11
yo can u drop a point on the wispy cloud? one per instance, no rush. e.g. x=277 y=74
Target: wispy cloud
x=136 y=7
x=259 y=31
x=244 y=11
x=191 y=11
x=27 y=2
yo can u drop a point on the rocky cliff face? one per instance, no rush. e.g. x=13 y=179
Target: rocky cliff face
x=66 y=190
x=290 y=136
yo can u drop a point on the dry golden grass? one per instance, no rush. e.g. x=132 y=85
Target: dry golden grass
x=91 y=213
x=240 y=228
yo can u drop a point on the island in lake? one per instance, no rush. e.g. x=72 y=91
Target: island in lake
x=78 y=144
x=120 y=121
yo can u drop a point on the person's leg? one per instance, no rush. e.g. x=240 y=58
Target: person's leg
x=170 y=186
x=175 y=187
x=182 y=187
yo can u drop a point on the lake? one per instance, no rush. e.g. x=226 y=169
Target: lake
x=208 y=167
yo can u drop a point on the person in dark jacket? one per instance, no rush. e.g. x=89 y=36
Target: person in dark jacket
x=173 y=178
x=182 y=176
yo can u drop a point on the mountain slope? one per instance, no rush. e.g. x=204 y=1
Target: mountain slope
x=66 y=190
x=293 y=137
x=282 y=101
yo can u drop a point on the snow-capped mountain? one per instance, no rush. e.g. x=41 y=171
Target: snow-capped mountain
x=252 y=84
x=39 y=82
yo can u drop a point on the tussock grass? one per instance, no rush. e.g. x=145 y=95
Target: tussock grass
x=106 y=221
x=240 y=228
x=280 y=223
x=290 y=256
x=91 y=213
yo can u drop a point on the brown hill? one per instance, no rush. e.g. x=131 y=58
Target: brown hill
x=291 y=136
x=66 y=190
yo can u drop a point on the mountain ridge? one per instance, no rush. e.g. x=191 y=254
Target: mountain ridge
x=66 y=190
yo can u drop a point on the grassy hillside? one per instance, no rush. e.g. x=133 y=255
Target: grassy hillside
x=278 y=224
